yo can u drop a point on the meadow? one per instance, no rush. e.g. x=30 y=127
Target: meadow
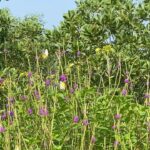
x=70 y=90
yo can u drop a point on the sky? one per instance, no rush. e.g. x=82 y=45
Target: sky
x=51 y=10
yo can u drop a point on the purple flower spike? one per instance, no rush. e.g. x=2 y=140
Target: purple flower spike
x=116 y=143
x=2 y=129
x=78 y=53
x=117 y=116
x=71 y=90
x=147 y=96
x=124 y=92
x=37 y=94
x=76 y=119
x=10 y=99
x=31 y=83
x=126 y=81
x=3 y=116
x=85 y=122
x=93 y=139
x=1 y=81
x=75 y=86
x=47 y=82
x=63 y=78
x=23 y=97
x=43 y=111
x=114 y=127
x=11 y=113
x=30 y=111
x=29 y=74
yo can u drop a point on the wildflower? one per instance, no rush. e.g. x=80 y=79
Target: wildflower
x=78 y=53
x=1 y=81
x=29 y=74
x=44 y=54
x=126 y=81
x=71 y=90
x=116 y=143
x=124 y=92
x=117 y=116
x=2 y=129
x=107 y=48
x=85 y=122
x=93 y=139
x=63 y=78
x=47 y=82
x=114 y=127
x=31 y=83
x=37 y=94
x=62 y=85
x=43 y=111
x=97 y=50
x=11 y=113
x=146 y=96
x=76 y=119
x=10 y=99
x=23 y=97
x=3 y=116
x=30 y=111
x=75 y=86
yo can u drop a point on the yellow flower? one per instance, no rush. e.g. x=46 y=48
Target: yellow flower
x=70 y=65
x=23 y=74
x=62 y=85
x=44 y=54
x=97 y=50
x=107 y=48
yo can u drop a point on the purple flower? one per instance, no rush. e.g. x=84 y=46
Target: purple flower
x=23 y=97
x=85 y=122
x=10 y=99
x=3 y=116
x=71 y=90
x=75 y=86
x=31 y=82
x=1 y=81
x=93 y=139
x=126 y=81
x=47 y=82
x=124 y=92
x=11 y=113
x=63 y=78
x=147 y=96
x=2 y=129
x=114 y=127
x=37 y=94
x=43 y=111
x=30 y=111
x=76 y=119
x=117 y=116
x=116 y=143
x=78 y=53
x=29 y=74
x=52 y=72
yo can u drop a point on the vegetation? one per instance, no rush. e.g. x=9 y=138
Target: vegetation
x=83 y=85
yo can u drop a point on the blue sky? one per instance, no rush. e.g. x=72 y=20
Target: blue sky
x=52 y=10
